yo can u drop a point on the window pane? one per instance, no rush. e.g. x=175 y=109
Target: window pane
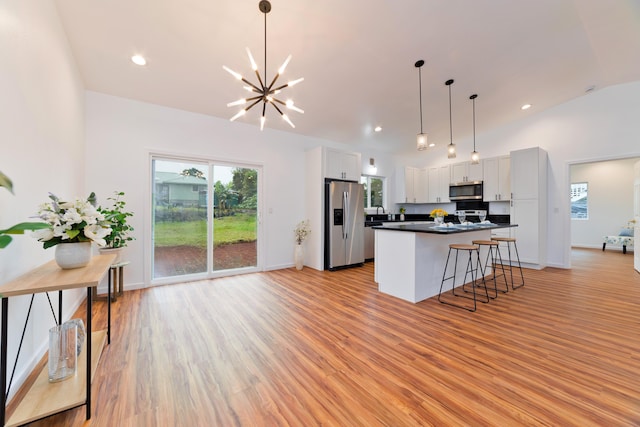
x=235 y=225
x=179 y=218
x=579 y=205
x=376 y=191
x=364 y=181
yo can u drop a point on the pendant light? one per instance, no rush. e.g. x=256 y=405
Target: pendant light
x=475 y=156
x=421 y=140
x=451 y=148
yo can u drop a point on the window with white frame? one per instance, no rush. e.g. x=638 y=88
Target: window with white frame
x=579 y=200
x=374 y=191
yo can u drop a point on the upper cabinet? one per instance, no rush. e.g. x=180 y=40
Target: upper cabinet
x=412 y=185
x=439 y=180
x=466 y=172
x=497 y=179
x=342 y=165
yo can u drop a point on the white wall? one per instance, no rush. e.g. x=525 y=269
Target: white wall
x=602 y=125
x=610 y=200
x=41 y=117
x=121 y=133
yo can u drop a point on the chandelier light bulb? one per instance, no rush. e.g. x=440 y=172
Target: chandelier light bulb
x=286 y=119
x=254 y=66
x=291 y=106
x=238 y=102
x=283 y=66
x=295 y=82
x=262 y=120
x=233 y=73
x=239 y=114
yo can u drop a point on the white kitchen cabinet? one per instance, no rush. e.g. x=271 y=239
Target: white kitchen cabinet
x=342 y=165
x=497 y=179
x=414 y=185
x=529 y=205
x=466 y=172
x=439 y=179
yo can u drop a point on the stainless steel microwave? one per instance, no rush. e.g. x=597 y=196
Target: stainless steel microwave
x=471 y=190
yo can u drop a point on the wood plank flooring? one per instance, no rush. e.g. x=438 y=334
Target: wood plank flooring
x=303 y=348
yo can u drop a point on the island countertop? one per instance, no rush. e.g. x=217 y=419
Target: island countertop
x=433 y=229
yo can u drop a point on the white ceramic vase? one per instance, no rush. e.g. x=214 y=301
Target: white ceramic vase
x=299 y=257
x=401 y=217
x=73 y=255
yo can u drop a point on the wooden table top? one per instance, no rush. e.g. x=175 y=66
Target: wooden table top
x=49 y=277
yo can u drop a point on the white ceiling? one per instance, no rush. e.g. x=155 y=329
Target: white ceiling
x=357 y=58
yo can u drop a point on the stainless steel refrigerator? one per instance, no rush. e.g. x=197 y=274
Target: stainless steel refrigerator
x=344 y=224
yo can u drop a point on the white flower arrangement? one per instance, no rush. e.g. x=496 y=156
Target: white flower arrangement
x=302 y=231
x=72 y=222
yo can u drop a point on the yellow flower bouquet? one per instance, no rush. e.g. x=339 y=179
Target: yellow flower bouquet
x=438 y=212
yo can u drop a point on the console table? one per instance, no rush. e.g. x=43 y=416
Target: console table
x=44 y=398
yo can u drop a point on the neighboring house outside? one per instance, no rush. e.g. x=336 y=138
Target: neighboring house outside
x=174 y=189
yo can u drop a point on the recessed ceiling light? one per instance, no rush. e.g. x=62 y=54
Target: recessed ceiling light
x=377 y=129
x=525 y=107
x=138 y=60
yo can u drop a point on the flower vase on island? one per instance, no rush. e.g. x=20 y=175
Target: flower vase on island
x=438 y=216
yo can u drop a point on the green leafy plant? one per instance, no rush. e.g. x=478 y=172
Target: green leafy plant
x=402 y=210
x=5 y=235
x=116 y=216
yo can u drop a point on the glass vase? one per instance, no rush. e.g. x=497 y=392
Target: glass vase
x=63 y=351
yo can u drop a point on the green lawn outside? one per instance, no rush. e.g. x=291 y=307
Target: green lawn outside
x=230 y=229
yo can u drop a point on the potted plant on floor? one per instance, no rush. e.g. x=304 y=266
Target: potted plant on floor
x=117 y=217
x=301 y=231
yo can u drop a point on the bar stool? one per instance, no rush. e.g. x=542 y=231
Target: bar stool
x=509 y=241
x=470 y=269
x=493 y=256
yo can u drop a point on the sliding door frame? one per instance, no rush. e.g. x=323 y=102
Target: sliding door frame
x=149 y=216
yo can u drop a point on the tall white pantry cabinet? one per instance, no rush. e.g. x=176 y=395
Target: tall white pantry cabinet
x=529 y=205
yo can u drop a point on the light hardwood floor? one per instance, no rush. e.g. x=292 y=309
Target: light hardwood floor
x=305 y=348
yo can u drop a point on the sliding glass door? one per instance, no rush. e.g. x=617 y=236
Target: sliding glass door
x=194 y=236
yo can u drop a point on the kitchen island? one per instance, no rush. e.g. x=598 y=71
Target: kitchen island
x=410 y=259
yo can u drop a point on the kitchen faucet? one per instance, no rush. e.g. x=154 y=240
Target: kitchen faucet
x=378 y=207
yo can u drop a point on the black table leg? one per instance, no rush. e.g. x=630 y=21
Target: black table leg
x=88 y=355
x=3 y=359
x=109 y=306
x=59 y=308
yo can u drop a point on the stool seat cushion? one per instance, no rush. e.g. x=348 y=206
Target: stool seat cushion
x=463 y=246
x=619 y=240
x=485 y=242
x=504 y=239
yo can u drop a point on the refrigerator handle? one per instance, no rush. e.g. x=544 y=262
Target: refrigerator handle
x=345 y=207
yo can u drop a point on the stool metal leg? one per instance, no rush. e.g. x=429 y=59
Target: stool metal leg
x=469 y=270
x=515 y=246
x=496 y=255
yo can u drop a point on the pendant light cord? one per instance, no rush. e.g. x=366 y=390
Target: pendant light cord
x=420 y=85
x=265 y=48
x=450 y=122
x=474 y=123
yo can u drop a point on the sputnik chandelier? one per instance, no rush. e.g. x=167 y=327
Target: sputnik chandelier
x=265 y=94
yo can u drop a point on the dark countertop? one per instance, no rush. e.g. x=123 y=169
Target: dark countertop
x=432 y=229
